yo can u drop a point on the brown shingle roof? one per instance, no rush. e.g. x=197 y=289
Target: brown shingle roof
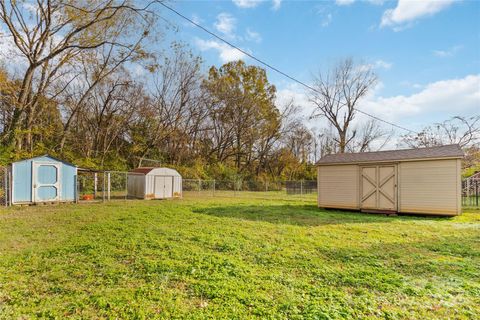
x=448 y=151
x=143 y=170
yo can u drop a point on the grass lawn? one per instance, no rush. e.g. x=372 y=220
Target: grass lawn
x=235 y=258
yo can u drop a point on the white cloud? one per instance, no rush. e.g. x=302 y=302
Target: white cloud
x=378 y=64
x=376 y=2
x=435 y=102
x=450 y=52
x=226 y=53
x=247 y=3
x=381 y=64
x=276 y=4
x=349 y=2
x=413 y=85
x=324 y=12
x=407 y=11
x=344 y=2
x=326 y=20
x=226 y=24
x=196 y=19
x=253 y=36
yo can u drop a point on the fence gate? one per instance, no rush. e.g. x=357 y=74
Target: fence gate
x=378 y=187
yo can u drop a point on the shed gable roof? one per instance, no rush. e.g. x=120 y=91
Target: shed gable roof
x=51 y=157
x=447 y=151
x=143 y=170
x=155 y=171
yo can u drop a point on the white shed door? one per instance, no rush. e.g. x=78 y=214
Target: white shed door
x=378 y=188
x=45 y=182
x=159 y=187
x=163 y=187
x=168 y=191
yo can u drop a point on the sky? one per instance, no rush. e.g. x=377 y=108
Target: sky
x=426 y=53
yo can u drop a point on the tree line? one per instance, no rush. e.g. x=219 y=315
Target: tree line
x=91 y=88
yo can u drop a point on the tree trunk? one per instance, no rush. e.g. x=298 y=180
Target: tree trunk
x=342 y=141
x=12 y=138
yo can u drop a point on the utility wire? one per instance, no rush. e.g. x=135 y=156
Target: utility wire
x=272 y=67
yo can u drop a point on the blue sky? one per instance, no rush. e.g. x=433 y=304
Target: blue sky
x=426 y=53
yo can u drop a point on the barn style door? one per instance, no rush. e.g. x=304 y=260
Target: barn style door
x=378 y=187
x=45 y=182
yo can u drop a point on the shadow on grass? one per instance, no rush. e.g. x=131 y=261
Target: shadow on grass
x=300 y=215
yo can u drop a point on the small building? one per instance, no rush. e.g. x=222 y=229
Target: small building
x=419 y=181
x=42 y=179
x=154 y=183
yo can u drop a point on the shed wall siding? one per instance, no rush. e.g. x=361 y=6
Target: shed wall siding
x=429 y=187
x=338 y=186
x=68 y=177
x=22 y=181
x=149 y=186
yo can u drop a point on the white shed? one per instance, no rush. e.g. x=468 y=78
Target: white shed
x=154 y=183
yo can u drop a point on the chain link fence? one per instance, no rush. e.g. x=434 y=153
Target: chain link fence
x=91 y=186
x=295 y=190
x=102 y=186
x=471 y=193
x=4 y=186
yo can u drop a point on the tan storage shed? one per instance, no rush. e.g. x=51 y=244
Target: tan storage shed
x=421 y=181
x=154 y=183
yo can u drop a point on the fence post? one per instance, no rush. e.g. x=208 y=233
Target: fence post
x=234 y=188
x=5 y=185
x=476 y=193
x=126 y=185
x=76 y=188
x=214 y=187
x=468 y=192
x=95 y=185
x=266 y=186
x=108 y=186
x=301 y=187
x=103 y=189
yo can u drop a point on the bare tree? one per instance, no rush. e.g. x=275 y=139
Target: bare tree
x=371 y=137
x=173 y=120
x=337 y=94
x=55 y=34
x=464 y=131
x=324 y=142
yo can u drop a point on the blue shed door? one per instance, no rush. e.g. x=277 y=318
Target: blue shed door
x=46 y=181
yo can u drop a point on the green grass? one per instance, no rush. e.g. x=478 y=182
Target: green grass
x=235 y=258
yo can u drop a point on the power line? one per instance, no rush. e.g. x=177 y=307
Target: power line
x=272 y=67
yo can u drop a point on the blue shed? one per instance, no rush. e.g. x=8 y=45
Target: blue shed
x=43 y=179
